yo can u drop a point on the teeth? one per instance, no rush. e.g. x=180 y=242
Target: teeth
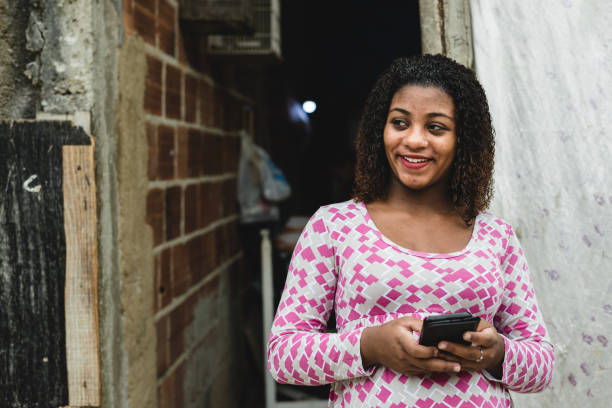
x=409 y=160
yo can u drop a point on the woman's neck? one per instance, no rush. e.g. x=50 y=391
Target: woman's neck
x=419 y=202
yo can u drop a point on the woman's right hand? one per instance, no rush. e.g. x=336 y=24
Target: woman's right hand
x=393 y=345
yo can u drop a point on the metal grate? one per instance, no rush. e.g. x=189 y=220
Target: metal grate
x=265 y=41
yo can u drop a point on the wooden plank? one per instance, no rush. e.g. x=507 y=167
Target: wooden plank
x=81 y=290
x=32 y=263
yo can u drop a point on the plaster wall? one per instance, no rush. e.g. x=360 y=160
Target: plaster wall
x=19 y=92
x=61 y=57
x=545 y=67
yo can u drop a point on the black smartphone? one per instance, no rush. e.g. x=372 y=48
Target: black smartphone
x=448 y=327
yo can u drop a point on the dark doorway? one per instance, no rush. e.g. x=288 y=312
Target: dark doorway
x=333 y=52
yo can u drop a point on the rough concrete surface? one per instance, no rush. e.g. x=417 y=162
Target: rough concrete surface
x=135 y=235
x=446 y=29
x=67 y=55
x=19 y=94
x=546 y=69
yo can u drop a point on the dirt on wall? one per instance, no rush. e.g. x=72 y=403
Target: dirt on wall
x=135 y=235
x=19 y=90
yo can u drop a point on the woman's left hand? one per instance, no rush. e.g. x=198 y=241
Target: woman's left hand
x=486 y=352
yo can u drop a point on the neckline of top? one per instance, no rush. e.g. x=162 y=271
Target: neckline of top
x=419 y=254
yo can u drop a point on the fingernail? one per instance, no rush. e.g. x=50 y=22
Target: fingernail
x=456 y=369
x=442 y=346
x=435 y=353
x=467 y=337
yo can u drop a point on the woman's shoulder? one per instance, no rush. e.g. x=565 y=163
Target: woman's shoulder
x=491 y=224
x=340 y=213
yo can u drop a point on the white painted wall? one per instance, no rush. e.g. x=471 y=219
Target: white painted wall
x=547 y=69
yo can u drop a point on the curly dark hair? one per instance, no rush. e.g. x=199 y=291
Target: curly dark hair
x=472 y=168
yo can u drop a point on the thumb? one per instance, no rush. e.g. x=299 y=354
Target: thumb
x=411 y=323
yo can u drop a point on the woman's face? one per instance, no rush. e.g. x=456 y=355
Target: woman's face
x=419 y=136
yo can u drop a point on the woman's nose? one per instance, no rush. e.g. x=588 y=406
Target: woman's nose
x=415 y=138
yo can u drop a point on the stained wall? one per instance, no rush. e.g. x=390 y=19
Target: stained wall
x=189 y=118
x=546 y=69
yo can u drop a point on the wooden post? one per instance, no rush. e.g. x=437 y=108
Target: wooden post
x=81 y=292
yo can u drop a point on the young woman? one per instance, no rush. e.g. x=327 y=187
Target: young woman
x=413 y=242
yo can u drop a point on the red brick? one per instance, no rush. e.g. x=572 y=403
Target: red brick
x=166 y=27
x=173 y=92
x=170 y=392
x=163 y=279
x=210 y=288
x=128 y=16
x=177 y=345
x=196 y=257
x=191 y=97
x=195 y=156
x=153 y=151
x=212 y=160
x=165 y=393
x=173 y=212
x=147 y=5
x=192 y=203
x=218 y=108
x=181 y=274
x=221 y=243
x=210 y=253
x=165 y=158
x=182 y=153
x=205 y=95
x=144 y=22
x=179 y=393
x=211 y=202
x=155 y=214
x=230 y=198
x=153 y=90
x=161 y=328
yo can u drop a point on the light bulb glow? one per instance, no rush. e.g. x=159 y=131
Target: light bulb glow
x=309 y=106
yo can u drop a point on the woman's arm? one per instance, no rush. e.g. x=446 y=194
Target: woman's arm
x=299 y=352
x=529 y=355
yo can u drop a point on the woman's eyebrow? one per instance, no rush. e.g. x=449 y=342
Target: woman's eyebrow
x=434 y=114
x=429 y=115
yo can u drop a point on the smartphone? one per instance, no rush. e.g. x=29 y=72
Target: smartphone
x=448 y=327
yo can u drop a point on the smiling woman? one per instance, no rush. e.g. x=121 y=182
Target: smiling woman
x=415 y=241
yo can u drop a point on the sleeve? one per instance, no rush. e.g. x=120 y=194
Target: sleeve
x=299 y=351
x=529 y=357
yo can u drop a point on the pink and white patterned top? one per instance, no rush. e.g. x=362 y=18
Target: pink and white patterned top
x=343 y=261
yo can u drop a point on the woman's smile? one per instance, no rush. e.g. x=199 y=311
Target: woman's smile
x=413 y=161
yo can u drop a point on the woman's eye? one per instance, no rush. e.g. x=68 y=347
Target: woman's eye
x=435 y=127
x=399 y=123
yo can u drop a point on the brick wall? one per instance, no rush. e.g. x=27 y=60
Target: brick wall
x=192 y=120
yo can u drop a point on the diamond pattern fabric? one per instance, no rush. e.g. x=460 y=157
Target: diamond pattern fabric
x=343 y=262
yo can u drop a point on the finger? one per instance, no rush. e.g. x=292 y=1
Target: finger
x=485 y=338
x=439 y=365
x=412 y=323
x=413 y=349
x=450 y=357
x=465 y=352
x=483 y=324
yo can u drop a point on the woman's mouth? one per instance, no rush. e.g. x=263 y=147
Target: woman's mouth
x=414 y=162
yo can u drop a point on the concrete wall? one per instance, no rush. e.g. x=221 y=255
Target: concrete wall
x=546 y=67
x=164 y=119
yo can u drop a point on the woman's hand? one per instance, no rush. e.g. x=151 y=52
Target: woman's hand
x=486 y=343
x=392 y=345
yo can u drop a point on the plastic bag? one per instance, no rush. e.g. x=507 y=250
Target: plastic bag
x=260 y=182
